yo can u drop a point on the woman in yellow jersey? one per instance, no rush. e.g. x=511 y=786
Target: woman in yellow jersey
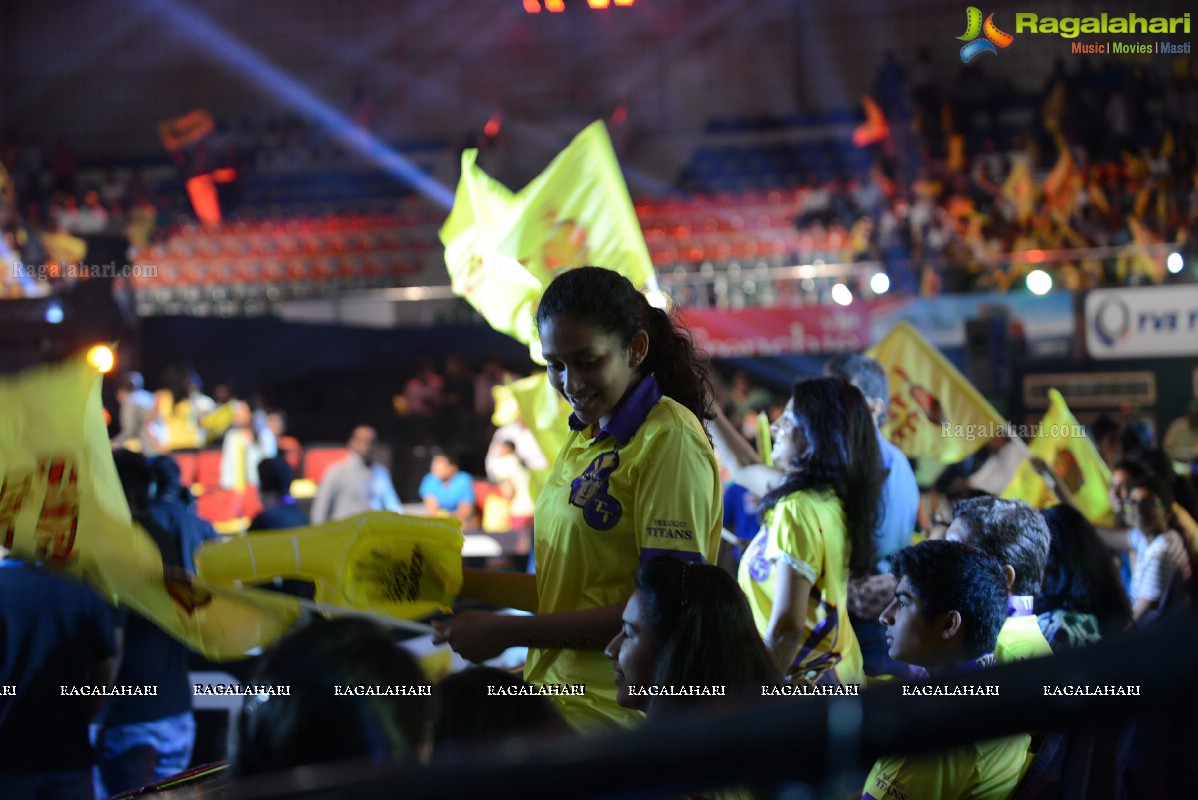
x=818 y=528
x=637 y=478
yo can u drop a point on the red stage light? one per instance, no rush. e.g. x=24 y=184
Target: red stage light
x=555 y=6
x=532 y=6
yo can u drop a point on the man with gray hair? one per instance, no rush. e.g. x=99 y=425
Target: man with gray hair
x=1015 y=534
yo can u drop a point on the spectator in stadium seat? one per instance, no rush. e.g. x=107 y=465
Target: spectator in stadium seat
x=313 y=725
x=818 y=530
x=448 y=490
x=1081 y=600
x=635 y=479
x=1181 y=437
x=171 y=508
x=356 y=484
x=279 y=512
x=137 y=416
x=422 y=392
x=1161 y=555
x=945 y=617
x=244 y=446
x=1015 y=534
x=687 y=625
x=142 y=739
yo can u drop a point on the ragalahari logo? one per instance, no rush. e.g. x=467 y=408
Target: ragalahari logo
x=993 y=37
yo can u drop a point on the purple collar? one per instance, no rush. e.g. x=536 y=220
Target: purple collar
x=630 y=412
x=1020 y=605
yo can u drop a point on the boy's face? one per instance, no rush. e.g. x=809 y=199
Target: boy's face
x=910 y=636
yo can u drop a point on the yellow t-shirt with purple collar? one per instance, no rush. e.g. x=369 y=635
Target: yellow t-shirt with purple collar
x=644 y=485
x=807 y=530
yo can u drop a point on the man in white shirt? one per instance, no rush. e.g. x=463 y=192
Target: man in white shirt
x=356 y=484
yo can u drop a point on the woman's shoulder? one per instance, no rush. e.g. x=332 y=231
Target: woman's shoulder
x=668 y=415
x=817 y=502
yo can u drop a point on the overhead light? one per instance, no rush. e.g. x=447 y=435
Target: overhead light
x=1174 y=263
x=1039 y=281
x=879 y=283
x=101 y=358
x=54 y=313
x=841 y=294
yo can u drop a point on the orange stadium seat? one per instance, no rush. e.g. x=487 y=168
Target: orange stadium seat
x=319 y=459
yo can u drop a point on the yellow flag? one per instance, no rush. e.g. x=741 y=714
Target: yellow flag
x=1063 y=444
x=1020 y=190
x=544 y=411
x=380 y=562
x=764 y=446
x=934 y=411
x=61 y=503
x=64 y=248
x=502 y=249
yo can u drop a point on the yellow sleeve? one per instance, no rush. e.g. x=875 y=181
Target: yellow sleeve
x=679 y=505
x=795 y=535
x=899 y=778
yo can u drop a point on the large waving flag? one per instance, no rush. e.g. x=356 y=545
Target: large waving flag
x=379 y=562
x=934 y=411
x=61 y=503
x=502 y=249
x=1063 y=445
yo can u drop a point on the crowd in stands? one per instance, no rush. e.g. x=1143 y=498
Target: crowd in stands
x=966 y=185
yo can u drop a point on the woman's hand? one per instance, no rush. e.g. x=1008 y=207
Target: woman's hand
x=475 y=635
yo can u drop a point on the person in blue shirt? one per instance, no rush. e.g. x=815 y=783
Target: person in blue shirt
x=448 y=490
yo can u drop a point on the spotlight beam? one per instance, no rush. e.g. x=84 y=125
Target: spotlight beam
x=274 y=81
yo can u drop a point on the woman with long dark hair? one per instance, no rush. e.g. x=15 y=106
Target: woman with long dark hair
x=818 y=530
x=687 y=625
x=1081 y=600
x=637 y=478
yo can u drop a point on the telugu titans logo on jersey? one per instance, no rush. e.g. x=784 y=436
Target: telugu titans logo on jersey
x=589 y=492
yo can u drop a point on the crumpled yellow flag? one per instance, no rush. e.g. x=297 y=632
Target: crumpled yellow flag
x=380 y=562
x=543 y=411
x=61 y=503
x=934 y=411
x=503 y=249
x=1062 y=443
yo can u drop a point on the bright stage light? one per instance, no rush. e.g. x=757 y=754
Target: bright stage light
x=879 y=283
x=841 y=295
x=1174 y=263
x=101 y=358
x=1039 y=281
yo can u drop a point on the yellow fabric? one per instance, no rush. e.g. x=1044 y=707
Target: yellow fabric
x=1020 y=190
x=1064 y=446
x=980 y=771
x=1020 y=639
x=807 y=530
x=502 y=249
x=927 y=393
x=385 y=563
x=764 y=446
x=215 y=424
x=61 y=502
x=668 y=488
x=544 y=412
x=64 y=248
